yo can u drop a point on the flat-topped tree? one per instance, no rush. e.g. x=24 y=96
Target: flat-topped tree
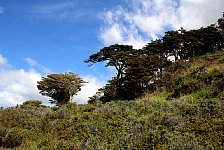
x=60 y=87
x=115 y=55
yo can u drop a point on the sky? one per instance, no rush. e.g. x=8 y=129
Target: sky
x=56 y=36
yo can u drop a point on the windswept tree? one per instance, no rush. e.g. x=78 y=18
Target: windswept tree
x=60 y=87
x=141 y=74
x=115 y=56
x=135 y=71
x=141 y=70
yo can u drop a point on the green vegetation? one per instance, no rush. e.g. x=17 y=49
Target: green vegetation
x=178 y=104
x=141 y=70
x=60 y=87
x=185 y=112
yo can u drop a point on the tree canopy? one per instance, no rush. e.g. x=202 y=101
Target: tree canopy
x=114 y=55
x=60 y=87
x=140 y=70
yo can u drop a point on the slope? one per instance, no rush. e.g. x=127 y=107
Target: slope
x=186 y=112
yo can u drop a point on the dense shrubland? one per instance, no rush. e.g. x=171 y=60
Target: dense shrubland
x=173 y=117
x=180 y=104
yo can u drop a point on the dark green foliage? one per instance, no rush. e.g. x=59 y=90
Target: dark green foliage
x=191 y=118
x=184 y=44
x=60 y=87
x=139 y=77
x=111 y=90
x=136 y=71
x=145 y=69
x=141 y=74
x=115 y=55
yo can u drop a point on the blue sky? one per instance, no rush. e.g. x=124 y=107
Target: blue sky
x=59 y=34
x=56 y=36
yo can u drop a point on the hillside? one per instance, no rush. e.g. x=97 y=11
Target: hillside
x=185 y=112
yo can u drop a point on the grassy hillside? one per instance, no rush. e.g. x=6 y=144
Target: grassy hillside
x=186 y=112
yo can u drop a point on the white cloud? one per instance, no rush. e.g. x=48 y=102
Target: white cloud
x=143 y=20
x=195 y=14
x=112 y=35
x=3 y=61
x=19 y=85
x=9 y=99
x=34 y=63
x=57 y=11
x=89 y=89
x=53 y=8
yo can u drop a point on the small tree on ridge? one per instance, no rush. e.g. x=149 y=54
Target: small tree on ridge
x=60 y=87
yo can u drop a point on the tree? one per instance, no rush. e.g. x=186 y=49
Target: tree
x=60 y=87
x=220 y=26
x=142 y=72
x=115 y=55
x=157 y=49
x=135 y=71
x=220 y=29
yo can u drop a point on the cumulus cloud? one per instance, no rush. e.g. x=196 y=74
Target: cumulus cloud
x=141 y=21
x=89 y=89
x=19 y=85
x=195 y=14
